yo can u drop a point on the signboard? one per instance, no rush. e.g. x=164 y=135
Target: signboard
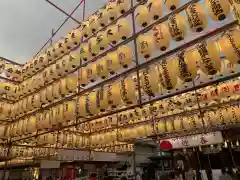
x=192 y=141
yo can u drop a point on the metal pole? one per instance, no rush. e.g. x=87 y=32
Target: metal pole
x=136 y=56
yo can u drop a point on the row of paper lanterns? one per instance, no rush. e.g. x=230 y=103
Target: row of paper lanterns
x=194 y=12
x=10 y=70
x=154 y=80
x=73 y=39
x=31 y=152
x=47 y=119
x=161 y=28
x=47 y=95
x=224 y=90
x=64 y=139
x=109 y=64
x=222 y=116
x=117 y=148
x=170 y=106
x=114 y=60
x=55 y=71
x=197 y=19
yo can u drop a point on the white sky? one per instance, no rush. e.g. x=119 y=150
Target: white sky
x=27 y=24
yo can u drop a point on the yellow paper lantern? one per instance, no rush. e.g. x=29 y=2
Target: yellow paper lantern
x=230 y=46
x=73 y=60
x=94 y=48
x=30 y=102
x=168 y=74
x=46 y=120
x=9 y=70
x=149 y=81
x=112 y=10
x=36 y=101
x=64 y=65
x=54 y=121
x=154 y=8
x=93 y=23
x=217 y=9
x=19 y=127
x=112 y=34
x=91 y=103
x=39 y=80
x=71 y=83
x=50 y=94
x=43 y=94
x=84 y=52
x=208 y=56
x=68 y=84
x=31 y=125
x=2 y=66
x=63 y=139
x=49 y=56
x=82 y=110
x=128 y=91
x=124 y=28
x=196 y=17
x=83 y=76
x=69 y=110
x=114 y=94
x=172 y=4
x=162 y=36
x=62 y=46
x=187 y=65
x=92 y=72
x=6 y=109
x=103 y=17
x=112 y=62
x=169 y=126
x=124 y=56
x=145 y=45
x=102 y=98
x=56 y=93
x=47 y=75
x=73 y=39
x=31 y=67
x=212 y=118
x=177 y=27
x=102 y=40
x=102 y=68
x=24 y=105
x=86 y=30
x=58 y=69
x=123 y=5
x=177 y=123
x=142 y=15
x=59 y=114
x=63 y=87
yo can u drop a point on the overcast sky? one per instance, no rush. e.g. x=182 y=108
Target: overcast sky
x=26 y=24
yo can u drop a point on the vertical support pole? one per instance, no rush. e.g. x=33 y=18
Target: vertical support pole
x=136 y=56
x=134 y=163
x=51 y=41
x=138 y=83
x=84 y=10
